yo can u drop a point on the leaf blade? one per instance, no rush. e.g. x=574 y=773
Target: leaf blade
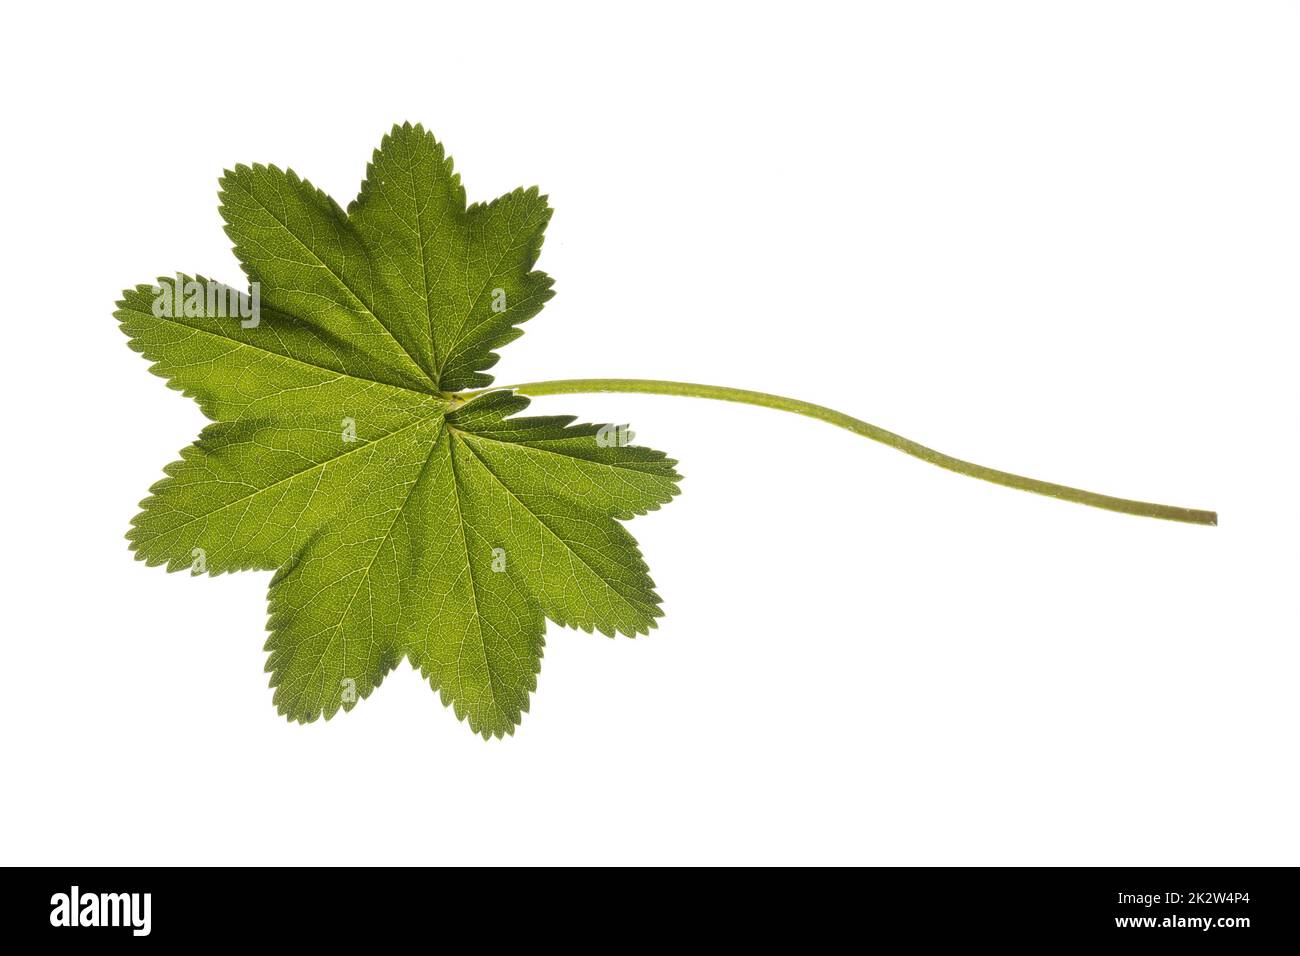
x=402 y=522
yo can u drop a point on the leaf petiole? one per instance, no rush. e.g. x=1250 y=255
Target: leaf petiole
x=867 y=430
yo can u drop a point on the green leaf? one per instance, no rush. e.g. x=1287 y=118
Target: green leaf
x=403 y=520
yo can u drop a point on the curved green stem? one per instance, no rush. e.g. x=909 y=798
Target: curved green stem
x=867 y=430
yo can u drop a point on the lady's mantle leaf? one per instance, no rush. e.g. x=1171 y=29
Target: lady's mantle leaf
x=401 y=521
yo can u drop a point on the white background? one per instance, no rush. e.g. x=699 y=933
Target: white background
x=1059 y=239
